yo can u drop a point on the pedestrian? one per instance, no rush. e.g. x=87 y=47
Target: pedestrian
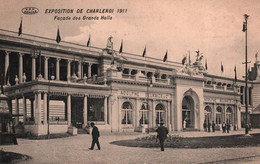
x=209 y=125
x=224 y=127
x=184 y=124
x=213 y=126
x=205 y=126
x=250 y=127
x=162 y=134
x=228 y=127
x=95 y=136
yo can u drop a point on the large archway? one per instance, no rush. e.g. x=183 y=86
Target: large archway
x=188 y=120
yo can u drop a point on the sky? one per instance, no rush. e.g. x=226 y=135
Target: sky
x=212 y=26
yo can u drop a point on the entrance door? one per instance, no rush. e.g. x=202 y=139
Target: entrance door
x=77 y=112
x=187 y=112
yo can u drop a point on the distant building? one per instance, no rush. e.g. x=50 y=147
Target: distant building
x=131 y=92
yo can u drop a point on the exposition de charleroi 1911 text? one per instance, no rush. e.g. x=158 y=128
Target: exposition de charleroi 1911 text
x=106 y=13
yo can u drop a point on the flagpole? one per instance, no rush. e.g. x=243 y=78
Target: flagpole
x=21 y=27
x=246 y=74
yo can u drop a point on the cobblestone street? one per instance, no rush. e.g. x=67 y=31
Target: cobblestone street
x=75 y=150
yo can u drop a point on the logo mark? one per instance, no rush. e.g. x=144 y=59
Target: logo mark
x=30 y=10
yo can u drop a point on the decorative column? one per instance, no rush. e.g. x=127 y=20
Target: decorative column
x=69 y=109
x=38 y=108
x=17 y=111
x=21 y=67
x=137 y=112
x=45 y=108
x=7 y=65
x=24 y=110
x=33 y=66
x=68 y=70
x=169 y=115
x=79 y=69
x=105 y=110
x=46 y=67
x=214 y=112
x=153 y=113
x=172 y=115
x=85 y=111
x=58 y=69
x=225 y=108
x=89 y=70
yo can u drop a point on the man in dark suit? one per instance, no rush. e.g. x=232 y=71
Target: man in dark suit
x=213 y=126
x=162 y=134
x=95 y=136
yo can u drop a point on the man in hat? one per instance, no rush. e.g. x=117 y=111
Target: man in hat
x=162 y=134
x=95 y=135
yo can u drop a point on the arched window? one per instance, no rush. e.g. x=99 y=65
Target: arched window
x=127 y=113
x=207 y=112
x=160 y=113
x=144 y=119
x=219 y=115
x=229 y=115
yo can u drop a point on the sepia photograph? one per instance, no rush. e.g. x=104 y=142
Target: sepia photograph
x=127 y=81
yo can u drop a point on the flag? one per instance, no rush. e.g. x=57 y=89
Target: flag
x=184 y=60
x=121 y=47
x=88 y=43
x=189 y=59
x=222 y=68
x=144 y=53
x=7 y=75
x=20 y=28
x=165 y=56
x=235 y=70
x=206 y=65
x=58 y=39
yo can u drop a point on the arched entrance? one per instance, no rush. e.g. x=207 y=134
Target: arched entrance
x=126 y=114
x=207 y=113
x=160 y=113
x=229 y=118
x=219 y=118
x=187 y=112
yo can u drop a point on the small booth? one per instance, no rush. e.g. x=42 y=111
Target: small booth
x=7 y=136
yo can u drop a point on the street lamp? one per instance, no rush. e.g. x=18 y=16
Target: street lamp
x=246 y=73
x=50 y=76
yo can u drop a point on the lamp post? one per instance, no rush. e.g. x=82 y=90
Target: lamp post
x=246 y=73
x=48 y=98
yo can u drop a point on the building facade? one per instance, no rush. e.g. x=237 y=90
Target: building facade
x=73 y=85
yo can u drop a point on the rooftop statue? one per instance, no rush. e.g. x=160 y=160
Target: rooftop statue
x=109 y=43
x=199 y=56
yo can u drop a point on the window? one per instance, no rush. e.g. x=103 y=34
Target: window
x=207 y=112
x=126 y=113
x=144 y=114
x=218 y=115
x=229 y=115
x=95 y=109
x=160 y=113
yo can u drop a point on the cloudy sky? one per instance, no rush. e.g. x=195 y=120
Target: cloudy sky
x=212 y=26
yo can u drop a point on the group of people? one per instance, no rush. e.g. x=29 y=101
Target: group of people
x=208 y=126
x=226 y=127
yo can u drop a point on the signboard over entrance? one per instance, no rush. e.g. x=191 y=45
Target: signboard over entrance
x=144 y=94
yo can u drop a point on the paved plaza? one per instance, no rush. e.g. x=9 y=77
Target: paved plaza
x=75 y=150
